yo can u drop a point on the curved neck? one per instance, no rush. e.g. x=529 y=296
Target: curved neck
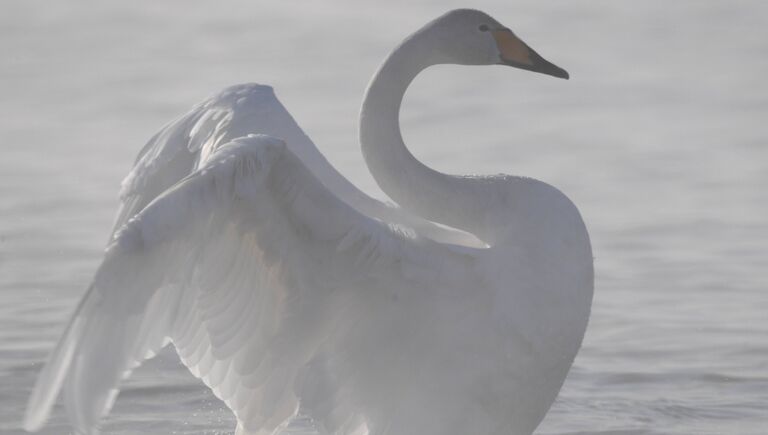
x=460 y=202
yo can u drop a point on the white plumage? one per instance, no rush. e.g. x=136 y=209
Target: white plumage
x=287 y=290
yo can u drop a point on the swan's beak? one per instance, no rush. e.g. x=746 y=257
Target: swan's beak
x=516 y=53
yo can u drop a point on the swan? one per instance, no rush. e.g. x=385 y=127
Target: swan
x=288 y=293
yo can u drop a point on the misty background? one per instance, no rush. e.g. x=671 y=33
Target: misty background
x=659 y=138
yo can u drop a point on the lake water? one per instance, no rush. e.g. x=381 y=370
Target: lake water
x=659 y=137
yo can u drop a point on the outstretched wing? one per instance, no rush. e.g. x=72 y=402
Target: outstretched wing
x=254 y=270
x=183 y=144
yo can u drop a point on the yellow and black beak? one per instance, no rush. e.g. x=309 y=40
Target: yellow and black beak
x=516 y=53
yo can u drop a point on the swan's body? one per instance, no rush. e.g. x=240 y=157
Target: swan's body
x=288 y=291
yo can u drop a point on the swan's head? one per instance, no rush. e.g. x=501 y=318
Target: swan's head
x=472 y=37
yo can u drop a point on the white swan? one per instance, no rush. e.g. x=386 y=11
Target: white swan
x=285 y=299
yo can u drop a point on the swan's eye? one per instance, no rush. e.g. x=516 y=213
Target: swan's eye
x=483 y=28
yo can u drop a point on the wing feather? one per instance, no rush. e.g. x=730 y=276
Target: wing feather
x=250 y=267
x=182 y=144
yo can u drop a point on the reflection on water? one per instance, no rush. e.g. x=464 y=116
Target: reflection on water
x=658 y=137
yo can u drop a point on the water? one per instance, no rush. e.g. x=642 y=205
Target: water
x=659 y=137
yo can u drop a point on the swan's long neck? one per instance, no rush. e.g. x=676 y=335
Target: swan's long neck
x=460 y=202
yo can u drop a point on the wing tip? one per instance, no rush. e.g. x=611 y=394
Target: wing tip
x=32 y=424
x=38 y=411
x=51 y=377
